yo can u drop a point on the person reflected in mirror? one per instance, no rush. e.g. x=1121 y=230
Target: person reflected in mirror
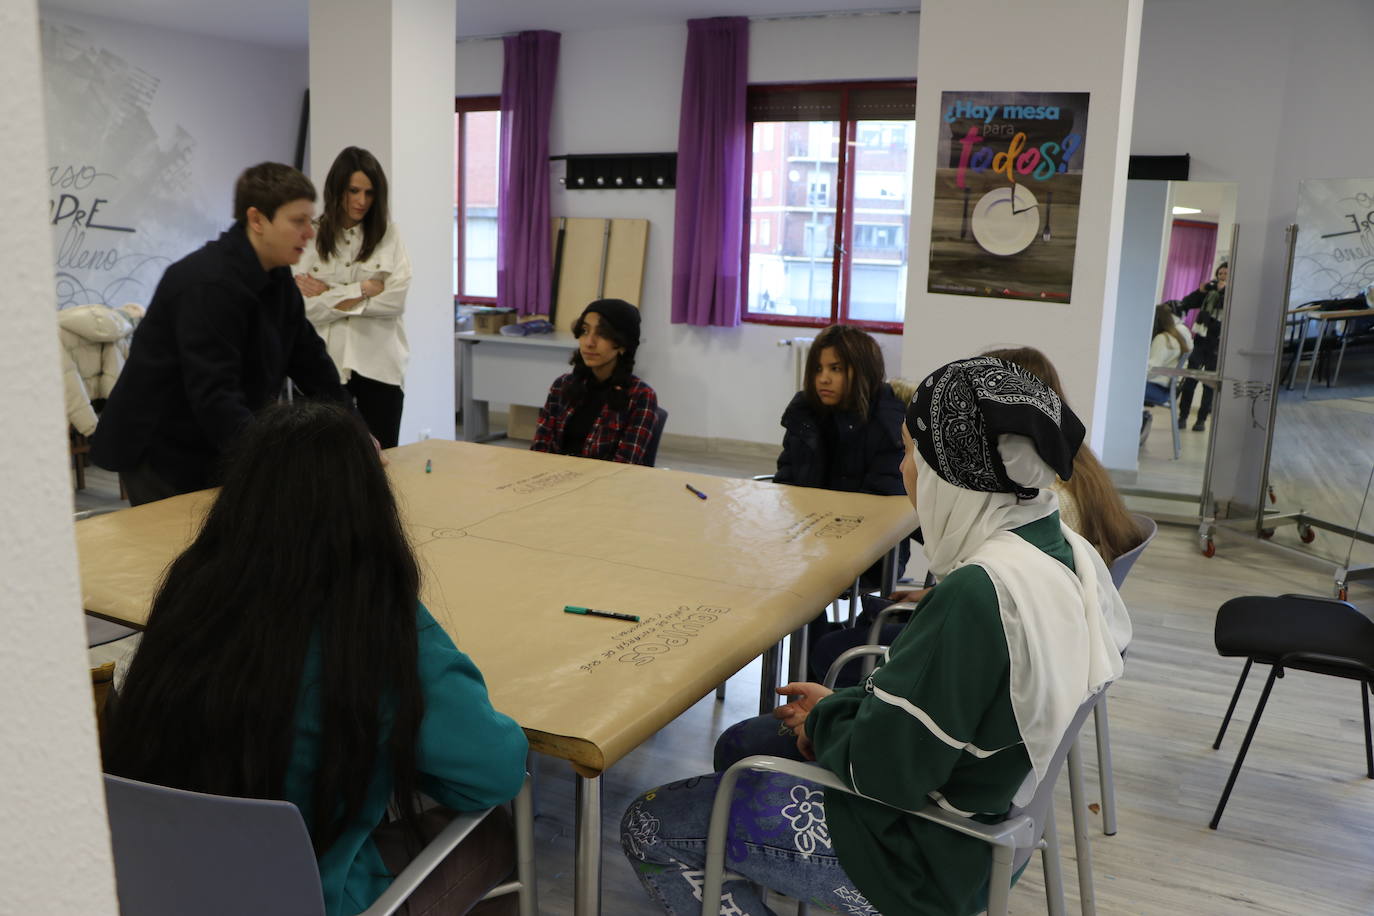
x=600 y=409
x=1169 y=343
x=1209 y=299
x=354 y=280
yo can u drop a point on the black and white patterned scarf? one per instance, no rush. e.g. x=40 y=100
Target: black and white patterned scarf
x=962 y=408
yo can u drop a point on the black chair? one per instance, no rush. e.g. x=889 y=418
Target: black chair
x=1305 y=632
x=655 y=437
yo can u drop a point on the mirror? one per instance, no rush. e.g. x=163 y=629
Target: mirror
x=1176 y=234
x=1321 y=461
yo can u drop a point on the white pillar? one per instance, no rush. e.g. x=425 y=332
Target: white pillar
x=1048 y=46
x=54 y=847
x=381 y=77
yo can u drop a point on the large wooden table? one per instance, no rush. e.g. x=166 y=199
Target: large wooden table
x=506 y=538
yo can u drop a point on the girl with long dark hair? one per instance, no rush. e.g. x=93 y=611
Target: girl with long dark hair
x=600 y=409
x=355 y=279
x=287 y=656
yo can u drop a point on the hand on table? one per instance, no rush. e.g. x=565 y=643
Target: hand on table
x=310 y=286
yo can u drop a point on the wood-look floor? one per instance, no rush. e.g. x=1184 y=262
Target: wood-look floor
x=1297 y=837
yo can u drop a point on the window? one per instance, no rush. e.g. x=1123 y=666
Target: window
x=842 y=153
x=478 y=125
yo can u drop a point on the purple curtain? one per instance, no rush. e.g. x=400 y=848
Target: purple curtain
x=1192 y=246
x=524 y=262
x=710 y=173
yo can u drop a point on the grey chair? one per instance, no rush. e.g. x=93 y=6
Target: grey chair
x=1013 y=839
x=178 y=852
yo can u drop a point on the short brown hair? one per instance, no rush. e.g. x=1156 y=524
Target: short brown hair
x=860 y=354
x=268 y=185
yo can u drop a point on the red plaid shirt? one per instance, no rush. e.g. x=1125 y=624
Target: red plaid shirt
x=616 y=435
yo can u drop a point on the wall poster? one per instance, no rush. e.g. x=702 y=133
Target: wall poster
x=1334 y=258
x=1007 y=184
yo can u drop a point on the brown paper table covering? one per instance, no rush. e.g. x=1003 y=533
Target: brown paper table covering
x=506 y=538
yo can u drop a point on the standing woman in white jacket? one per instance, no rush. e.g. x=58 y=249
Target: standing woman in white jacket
x=354 y=280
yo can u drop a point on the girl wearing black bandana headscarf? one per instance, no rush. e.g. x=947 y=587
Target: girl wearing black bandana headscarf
x=974 y=696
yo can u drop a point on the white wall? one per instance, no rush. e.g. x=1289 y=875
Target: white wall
x=168 y=120
x=1095 y=56
x=54 y=846
x=372 y=85
x=619 y=91
x=1263 y=93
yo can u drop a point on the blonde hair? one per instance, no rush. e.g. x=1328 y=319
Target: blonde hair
x=1103 y=519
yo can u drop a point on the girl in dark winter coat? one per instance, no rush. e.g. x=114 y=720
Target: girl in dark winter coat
x=844 y=428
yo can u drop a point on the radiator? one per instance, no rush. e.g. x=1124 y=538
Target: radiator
x=800 y=347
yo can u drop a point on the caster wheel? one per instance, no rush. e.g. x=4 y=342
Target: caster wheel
x=1266 y=533
x=1209 y=548
x=1307 y=534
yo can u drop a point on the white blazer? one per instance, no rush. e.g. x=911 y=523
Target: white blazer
x=370 y=337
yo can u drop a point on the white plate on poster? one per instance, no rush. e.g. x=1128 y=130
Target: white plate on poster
x=1005 y=224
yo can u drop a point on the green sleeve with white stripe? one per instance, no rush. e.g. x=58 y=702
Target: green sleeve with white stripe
x=900 y=736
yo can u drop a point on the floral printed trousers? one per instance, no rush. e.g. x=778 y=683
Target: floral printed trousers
x=778 y=838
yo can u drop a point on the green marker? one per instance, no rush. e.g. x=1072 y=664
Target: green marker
x=590 y=612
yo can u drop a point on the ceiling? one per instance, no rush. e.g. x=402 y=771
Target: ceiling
x=284 y=22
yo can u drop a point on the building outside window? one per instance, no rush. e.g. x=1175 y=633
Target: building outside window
x=477 y=122
x=827 y=239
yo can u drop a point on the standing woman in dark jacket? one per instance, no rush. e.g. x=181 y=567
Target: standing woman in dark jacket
x=844 y=428
x=1208 y=299
x=600 y=409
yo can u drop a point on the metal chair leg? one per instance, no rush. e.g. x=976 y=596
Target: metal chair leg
x=524 y=849
x=769 y=668
x=1368 y=745
x=854 y=601
x=1087 y=898
x=720 y=691
x=1104 y=765
x=1049 y=862
x=1245 y=672
x=1244 y=746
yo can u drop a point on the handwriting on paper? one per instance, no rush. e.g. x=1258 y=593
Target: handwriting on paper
x=652 y=637
x=822 y=525
x=543 y=481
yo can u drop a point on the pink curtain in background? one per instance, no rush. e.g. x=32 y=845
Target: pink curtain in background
x=1192 y=246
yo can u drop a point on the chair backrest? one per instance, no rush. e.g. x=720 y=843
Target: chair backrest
x=1037 y=809
x=179 y=852
x=656 y=436
x=1122 y=564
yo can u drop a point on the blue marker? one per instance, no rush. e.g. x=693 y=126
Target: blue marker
x=696 y=491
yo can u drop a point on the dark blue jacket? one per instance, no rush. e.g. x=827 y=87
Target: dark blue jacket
x=217 y=344
x=867 y=456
